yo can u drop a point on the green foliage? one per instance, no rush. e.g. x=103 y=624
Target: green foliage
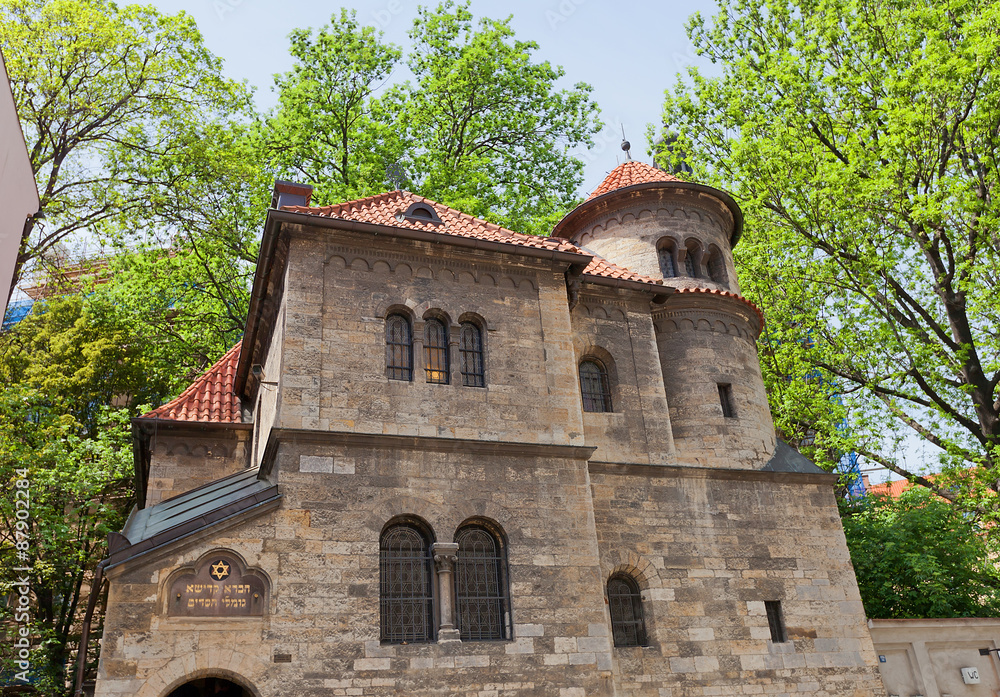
x=72 y=375
x=481 y=127
x=920 y=556
x=96 y=86
x=860 y=137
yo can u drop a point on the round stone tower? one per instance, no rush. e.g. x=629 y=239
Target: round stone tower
x=653 y=223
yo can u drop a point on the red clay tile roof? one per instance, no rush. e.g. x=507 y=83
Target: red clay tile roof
x=600 y=266
x=384 y=209
x=893 y=489
x=629 y=174
x=726 y=294
x=209 y=399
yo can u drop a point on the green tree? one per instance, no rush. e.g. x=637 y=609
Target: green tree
x=481 y=126
x=861 y=138
x=61 y=370
x=96 y=86
x=488 y=131
x=920 y=556
x=328 y=128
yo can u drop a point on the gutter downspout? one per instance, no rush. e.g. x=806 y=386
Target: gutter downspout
x=81 y=653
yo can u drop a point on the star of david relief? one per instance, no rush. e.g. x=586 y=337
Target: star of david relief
x=220 y=570
x=218 y=586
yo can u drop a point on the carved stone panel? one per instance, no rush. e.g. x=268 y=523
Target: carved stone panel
x=218 y=587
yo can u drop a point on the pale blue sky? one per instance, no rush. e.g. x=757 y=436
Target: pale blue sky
x=629 y=51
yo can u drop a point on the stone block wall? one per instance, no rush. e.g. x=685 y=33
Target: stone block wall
x=707 y=551
x=186 y=459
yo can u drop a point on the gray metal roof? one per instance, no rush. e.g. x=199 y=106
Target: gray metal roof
x=192 y=511
x=787 y=459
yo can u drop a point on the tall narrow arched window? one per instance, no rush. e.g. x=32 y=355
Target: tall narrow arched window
x=471 y=347
x=625 y=604
x=398 y=348
x=717 y=267
x=594 y=386
x=481 y=597
x=405 y=585
x=690 y=263
x=668 y=261
x=436 y=351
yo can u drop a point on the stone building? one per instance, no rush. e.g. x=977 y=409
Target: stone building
x=451 y=459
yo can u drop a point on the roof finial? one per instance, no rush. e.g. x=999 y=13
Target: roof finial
x=626 y=146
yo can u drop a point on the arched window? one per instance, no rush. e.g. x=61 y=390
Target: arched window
x=405 y=585
x=625 y=604
x=471 y=347
x=717 y=267
x=481 y=598
x=594 y=386
x=436 y=351
x=668 y=261
x=398 y=348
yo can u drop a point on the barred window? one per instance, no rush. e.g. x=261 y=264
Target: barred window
x=436 y=351
x=595 y=386
x=625 y=604
x=482 y=600
x=398 y=348
x=471 y=346
x=668 y=265
x=689 y=264
x=717 y=267
x=406 y=592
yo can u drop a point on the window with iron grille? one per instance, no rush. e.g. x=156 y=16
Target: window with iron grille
x=594 y=386
x=726 y=400
x=690 y=268
x=405 y=586
x=668 y=266
x=482 y=601
x=775 y=620
x=717 y=268
x=436 y=351
x=471 y=348
x=625 y=605
x=398 y=348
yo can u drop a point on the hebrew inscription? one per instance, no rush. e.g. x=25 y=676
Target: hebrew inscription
x=219 y=588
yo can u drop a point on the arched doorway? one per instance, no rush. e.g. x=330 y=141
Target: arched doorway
x=210 y=687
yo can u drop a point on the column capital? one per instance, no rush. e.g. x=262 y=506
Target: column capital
x=445 y=554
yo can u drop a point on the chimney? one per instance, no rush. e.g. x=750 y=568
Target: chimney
x=864 y=480
x=290 y=194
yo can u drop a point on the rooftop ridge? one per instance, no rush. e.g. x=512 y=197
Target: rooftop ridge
x=209 y=399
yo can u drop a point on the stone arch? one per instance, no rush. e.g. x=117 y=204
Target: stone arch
x=631 y=563
x=526 y=282
x=336 y=261
x=402 y=506
x=228 y=664
x=483 y=510
x=403 y=270
x=446 y=275
x=466 y=277
x=360 y=264
x=424 y=272
x=381 y=266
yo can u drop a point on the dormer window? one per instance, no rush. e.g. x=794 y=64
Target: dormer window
x=420 y=213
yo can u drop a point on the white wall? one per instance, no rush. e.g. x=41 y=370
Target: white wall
x=18 y=193
x=926 y=657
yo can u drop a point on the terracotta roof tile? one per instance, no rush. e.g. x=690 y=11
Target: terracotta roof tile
x=209 y=399
x=629 y=174
x=602 y=267
x=386 y=209
x=726 y=294
x=892 y=489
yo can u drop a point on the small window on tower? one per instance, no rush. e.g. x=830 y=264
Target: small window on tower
x=726 y=400
x=775 y=621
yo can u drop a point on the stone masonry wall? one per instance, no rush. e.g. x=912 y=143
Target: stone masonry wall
x=707 y=552
x=322 y=551
x=616 y=328
x=185 y=460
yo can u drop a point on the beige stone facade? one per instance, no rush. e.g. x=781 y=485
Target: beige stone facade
x=712 y=520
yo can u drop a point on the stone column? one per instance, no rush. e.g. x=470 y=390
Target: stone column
x=445 y=554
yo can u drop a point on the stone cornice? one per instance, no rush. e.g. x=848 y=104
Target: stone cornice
x=681 y=472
